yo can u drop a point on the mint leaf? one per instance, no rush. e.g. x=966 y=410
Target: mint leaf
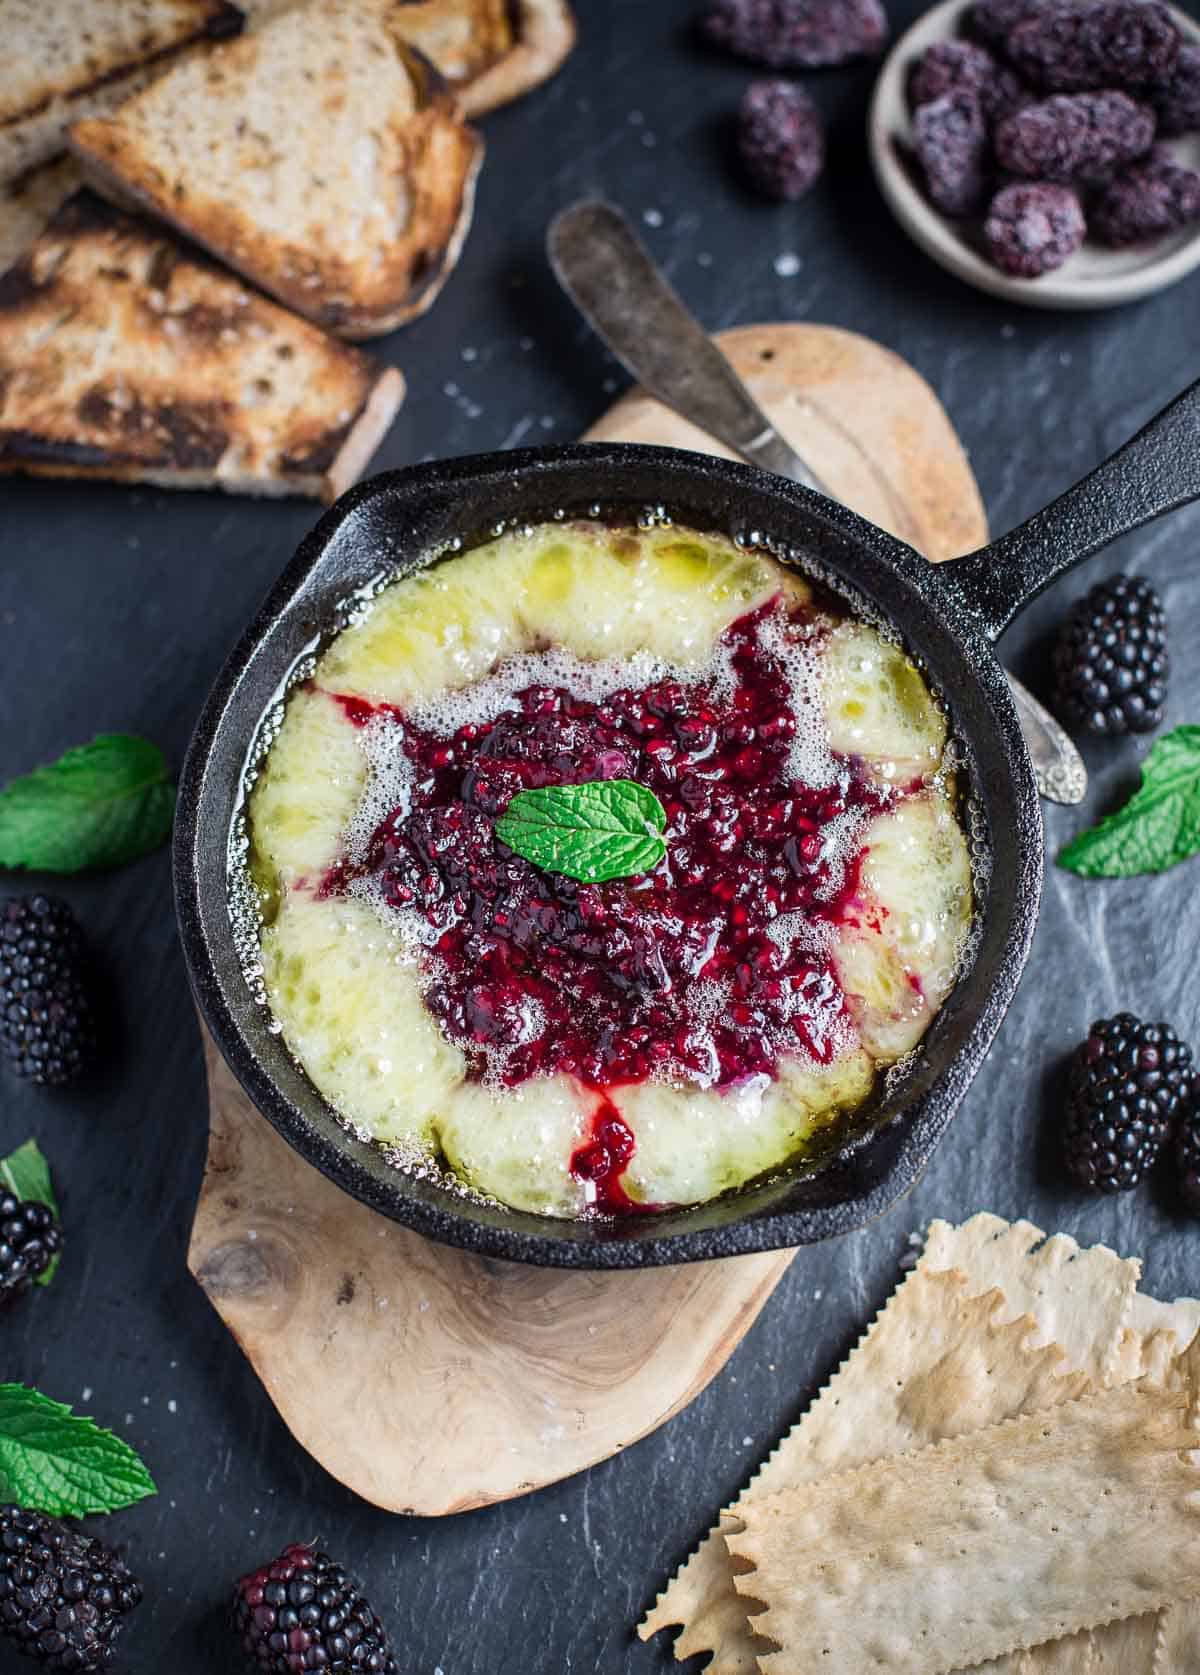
x=1160 y=824
x=609 y=828
x=27 y=1173
x=99 y=805
x=55 y=1461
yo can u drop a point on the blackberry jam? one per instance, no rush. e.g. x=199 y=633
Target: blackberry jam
x=703 y=970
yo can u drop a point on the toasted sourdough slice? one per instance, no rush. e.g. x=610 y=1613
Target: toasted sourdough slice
x=490 y=51
x=68 y=59
x=322 y=156
x=28 y=203
x=125 y=355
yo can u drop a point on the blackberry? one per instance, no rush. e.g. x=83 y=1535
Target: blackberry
x=1068 y=48
x=960 y=66
x=30 y=1239
x=1177 y=100
x=1155 y=197
x=781 y=138
x=1125 y=1085
x=1110 y=665
x=303 y=1612
x=796 y=34
x=950 y=137
x=993 y=21
x=1074 y=136
x=1032 y=228
x=1187 y=1147
x=47 y=1031
x=64 y=1596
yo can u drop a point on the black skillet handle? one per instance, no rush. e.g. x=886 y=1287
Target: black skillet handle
x=1154 y=473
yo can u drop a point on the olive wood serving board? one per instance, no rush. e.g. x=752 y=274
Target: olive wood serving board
x=430 y=1381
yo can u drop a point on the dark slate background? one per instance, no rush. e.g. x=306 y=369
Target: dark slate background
x=116 y=608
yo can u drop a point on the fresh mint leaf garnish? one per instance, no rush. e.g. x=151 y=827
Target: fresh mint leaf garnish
x=1160 y=824
x=26 y=1173
x=55 y=1461
x=608 y=828
x=99 y=805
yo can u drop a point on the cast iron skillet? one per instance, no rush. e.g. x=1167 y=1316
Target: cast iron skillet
x=949 y=615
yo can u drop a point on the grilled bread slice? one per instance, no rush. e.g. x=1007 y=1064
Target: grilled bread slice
x=125 y=355
x=67 y=59
x=321 y=155
x=543 y=35
x=490 y=51
x=28 y=203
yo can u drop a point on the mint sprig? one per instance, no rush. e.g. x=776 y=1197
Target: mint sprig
x=608 y=828
x=26 y=1173
x=56 y=1461
x=1160 y=824
x=99 y=805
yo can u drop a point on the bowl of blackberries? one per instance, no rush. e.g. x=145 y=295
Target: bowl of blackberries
x=1047 y=151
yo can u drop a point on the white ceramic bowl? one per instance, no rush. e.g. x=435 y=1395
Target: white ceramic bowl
x=1093 y=277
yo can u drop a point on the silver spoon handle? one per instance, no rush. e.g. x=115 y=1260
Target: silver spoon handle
x=609 y=275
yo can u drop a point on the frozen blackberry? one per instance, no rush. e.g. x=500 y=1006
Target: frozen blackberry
x=1187 y=1146
x=64 y=1596
x=1126 y=1081
x=1177 y=100
x=1074 y=137
x=303 y=1612
x=950 y=136
x=1032 y=228
x=30 y=1239
x=961 y=66
x=994 y=20
x=1068 y=48
x=796 y=34
x=1154 y=197
x=781 y=138
x=47 y=1032
x=1110 y=664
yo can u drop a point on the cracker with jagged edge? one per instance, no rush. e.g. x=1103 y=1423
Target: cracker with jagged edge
x=1177 y=1630
x=1125 y=1647
x=978 y=1546
x=1053 y=1280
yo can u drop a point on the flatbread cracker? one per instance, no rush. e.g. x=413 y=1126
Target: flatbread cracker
x=1177 y=1630
x=1076 y=1655
x=1125 y=1647
x=1051 y=1280
x=1152 y=1337
x=983 y=1544
x=1177 y=1641
x=1080 y=1298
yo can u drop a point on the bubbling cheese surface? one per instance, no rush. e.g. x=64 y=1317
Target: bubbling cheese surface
x=571 y=1048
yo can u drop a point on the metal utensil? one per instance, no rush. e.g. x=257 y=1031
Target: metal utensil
x=615 y=284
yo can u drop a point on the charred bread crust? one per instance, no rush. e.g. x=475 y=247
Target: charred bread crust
x=544 y=33
x=202 y=383
x=490 y=51
x=26 y=204
x=33 y=125
x=350 y=295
